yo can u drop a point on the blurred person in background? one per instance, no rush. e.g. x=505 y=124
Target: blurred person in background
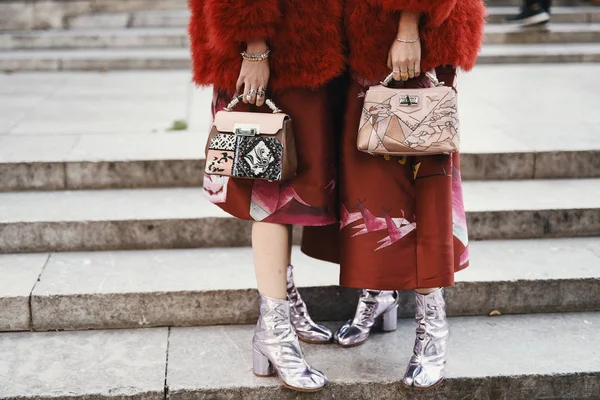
x=532 y=13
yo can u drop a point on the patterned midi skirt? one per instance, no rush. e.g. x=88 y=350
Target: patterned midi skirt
x=402 y=219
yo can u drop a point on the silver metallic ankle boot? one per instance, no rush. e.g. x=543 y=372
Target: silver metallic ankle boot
x=372 y=304
x=276 y=349
x=426 y=367
x=307 y=330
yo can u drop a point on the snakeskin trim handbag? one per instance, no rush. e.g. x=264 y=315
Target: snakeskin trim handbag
x=251 y=145
x=409 y=122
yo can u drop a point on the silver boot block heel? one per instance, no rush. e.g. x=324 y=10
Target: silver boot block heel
x=390 y=320
x=276 y=349
x=261 y=365
x=307 y=330
x=372 y=304
x=426 y=366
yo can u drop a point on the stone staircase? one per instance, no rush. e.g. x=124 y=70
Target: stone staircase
x=157 y=39
x=104 y=229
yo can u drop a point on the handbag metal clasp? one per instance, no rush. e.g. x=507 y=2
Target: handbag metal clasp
x=246 y=129
x=409 y=101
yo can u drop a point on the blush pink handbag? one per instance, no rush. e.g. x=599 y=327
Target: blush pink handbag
x=409 y=122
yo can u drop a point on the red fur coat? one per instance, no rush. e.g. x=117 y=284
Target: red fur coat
x=312 y=41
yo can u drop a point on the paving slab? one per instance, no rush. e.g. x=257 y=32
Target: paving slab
x=183 y=218
x=19 y=274
x=131 y=289
x=116 y=365
x=520 y=357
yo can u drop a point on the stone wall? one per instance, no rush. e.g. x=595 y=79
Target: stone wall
x=52 y=14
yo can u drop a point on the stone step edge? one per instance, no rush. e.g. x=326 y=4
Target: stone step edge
x=115 y=174
x=210 y=232
x=180 y=348
x=182 y=62
x=238 y=306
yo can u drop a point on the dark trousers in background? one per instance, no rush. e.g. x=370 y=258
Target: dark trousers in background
x=545 y=4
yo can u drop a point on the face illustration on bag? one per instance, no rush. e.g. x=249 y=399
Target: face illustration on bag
x=259 y=158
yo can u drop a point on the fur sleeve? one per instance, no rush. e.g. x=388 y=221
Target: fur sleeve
x=436 y=11
x=236 y=21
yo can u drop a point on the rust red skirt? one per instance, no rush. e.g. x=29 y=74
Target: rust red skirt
x=307 y=200
x=402 y=219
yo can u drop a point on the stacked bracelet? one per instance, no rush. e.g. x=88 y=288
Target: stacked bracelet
x=408 y=40
x=256 y=57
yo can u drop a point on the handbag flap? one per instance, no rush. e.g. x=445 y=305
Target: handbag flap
x=411 y=106
x=267 y=123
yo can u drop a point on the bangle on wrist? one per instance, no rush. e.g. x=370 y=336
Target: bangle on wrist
x=256 y=57
x=408 y=40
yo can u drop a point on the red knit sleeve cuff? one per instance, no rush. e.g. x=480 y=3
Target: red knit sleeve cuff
x=236 y=21
x=436 y=11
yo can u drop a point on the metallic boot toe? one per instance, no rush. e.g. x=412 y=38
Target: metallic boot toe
x=317 y=334
x=307 y=330
x=372 y=304
x=352 y=336
x=426 y=380
x=409 y=376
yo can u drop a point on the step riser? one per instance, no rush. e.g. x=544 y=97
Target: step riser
x=542 y=37
x=539 y=59
x=87 y=41
x=331 y=303
x=181 y=20
x=189 y=173
x=24 y=15
x=557 y=18
x=230 y=232
x=125 y=63
x=564 y=386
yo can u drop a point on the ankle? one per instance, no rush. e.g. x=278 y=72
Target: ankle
x=425 y=292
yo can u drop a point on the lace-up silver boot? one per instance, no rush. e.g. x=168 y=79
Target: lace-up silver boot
x=372 y=304
x=276 y=349
x=426 y=366
x=307 y=330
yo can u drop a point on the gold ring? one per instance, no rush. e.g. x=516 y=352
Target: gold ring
x=411 y=70
x=404 y=76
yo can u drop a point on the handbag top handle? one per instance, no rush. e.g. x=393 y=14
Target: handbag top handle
x=431 y=77
x=237 y=99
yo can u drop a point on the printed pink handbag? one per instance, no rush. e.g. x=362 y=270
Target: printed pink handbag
x=409 y=122
x=251 y=145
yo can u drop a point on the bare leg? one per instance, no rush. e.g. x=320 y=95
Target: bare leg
x=271 y=248
x=426 y=291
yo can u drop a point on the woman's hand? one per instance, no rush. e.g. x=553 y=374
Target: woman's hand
x=254 y=75
x=404 y=59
